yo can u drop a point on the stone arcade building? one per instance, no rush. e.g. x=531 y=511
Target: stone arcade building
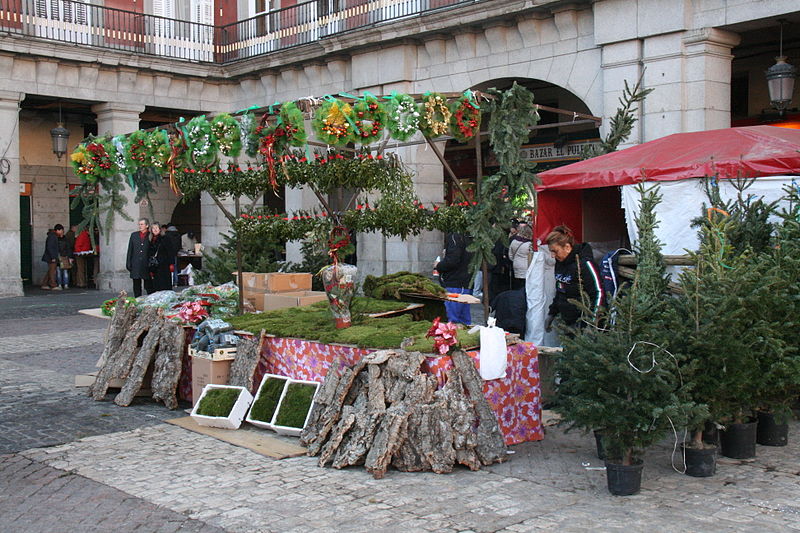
x=100 y=72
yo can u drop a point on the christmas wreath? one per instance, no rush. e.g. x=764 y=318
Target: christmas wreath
x=201 y=144
x=157 y=149
x=370 y=119
x=95 y=160
x=291 y=119
x=435 y=115
x=136 y=150
x=333 y=123
x=402 y=117
x=465 y=121
x=226 y=130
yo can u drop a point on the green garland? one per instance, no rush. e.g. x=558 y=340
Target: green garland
x=465 y=121
x=333 y=122
x=226 y=130
x=291 y=118
x=434 y=115
x=332 y=169
x=402 y=117
x=201 y=144
x=94 y=161
x=370 y=119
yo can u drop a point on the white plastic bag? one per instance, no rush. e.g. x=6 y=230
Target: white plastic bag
x=540 y=289
x=493 y=354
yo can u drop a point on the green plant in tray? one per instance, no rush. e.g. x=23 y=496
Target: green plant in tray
x=296 y=404
x=218 y=402
x=270 y=394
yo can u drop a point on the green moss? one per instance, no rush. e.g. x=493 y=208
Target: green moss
x=391 y=286
x=218 y=402
x=264 y=406
x=295 y=405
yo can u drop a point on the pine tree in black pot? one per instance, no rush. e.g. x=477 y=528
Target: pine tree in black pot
x=618 y=378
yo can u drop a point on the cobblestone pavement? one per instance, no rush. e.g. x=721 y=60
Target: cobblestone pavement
x=131 y=472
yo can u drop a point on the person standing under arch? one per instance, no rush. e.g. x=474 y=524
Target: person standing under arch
x=138 y=252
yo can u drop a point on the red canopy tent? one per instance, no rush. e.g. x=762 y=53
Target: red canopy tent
x=751 y=151
x=728 y=153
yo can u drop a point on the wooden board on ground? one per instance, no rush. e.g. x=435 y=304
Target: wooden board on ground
x=251 y=438
x=413 y=309
x=95 y=312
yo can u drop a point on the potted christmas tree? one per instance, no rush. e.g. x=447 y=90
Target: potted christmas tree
x=618 y=378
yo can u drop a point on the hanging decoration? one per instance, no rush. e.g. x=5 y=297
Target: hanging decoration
x=247 y=127
x=225 y=129
x=291 y=119
x=435 y=115
x=95 y=160
x=157 y=150
x=177 y=146
x=402 y=117
x=201 y=144
x=331 y=169
x=136 y=150
x=370 y=119
x=465 y=121
x=333 y=123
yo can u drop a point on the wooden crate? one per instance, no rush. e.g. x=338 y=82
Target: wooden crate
x=220 y=354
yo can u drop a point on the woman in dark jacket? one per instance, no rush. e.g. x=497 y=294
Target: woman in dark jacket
x=576 y=274
x=454 y=272
x=160 y=258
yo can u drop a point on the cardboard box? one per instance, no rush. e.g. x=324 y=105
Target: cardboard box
x=205 y=371
x=274 y=282
x=271 y=301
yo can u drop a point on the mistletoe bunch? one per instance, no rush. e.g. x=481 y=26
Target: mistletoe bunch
x=435 y=115
x=225 y=129
x=402 y=117
x=465 y=121
x=332 y=169
x=95 y=160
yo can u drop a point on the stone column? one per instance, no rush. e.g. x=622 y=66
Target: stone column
x=621 y=62
x=10 y=279
x=708 y=78
x=117 y=118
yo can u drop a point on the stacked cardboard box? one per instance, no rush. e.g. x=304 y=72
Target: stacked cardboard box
x=277 y=290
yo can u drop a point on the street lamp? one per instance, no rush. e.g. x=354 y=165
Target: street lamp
x=60 y=136
x=780 y=79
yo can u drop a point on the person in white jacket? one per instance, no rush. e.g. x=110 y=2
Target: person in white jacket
x=519 y=252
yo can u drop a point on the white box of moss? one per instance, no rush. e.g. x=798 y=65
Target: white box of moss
x=266 y=382
x=293 y=430
x=236 y=414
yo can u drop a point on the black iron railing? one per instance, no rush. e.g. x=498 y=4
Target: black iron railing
x=92 y=25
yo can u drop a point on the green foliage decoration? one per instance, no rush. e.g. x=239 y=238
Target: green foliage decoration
x=621 y=124
x=434 y=115
x=504 y=194
x=370 y=119
x=402 y=116
x=201 y=144
x=465 y=119
x=393 y=286
x=94 y=160
x=334 y=123
x=225 y=129
x=218 y=402
x=258 y=255
x=136 y=152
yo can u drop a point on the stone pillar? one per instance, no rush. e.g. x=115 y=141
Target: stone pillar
x=10 y=279
x=379 y=255
x=621 y=62
x=117 y=118
x=708 y=78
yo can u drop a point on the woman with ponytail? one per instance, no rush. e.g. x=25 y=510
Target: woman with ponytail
x=576 y=275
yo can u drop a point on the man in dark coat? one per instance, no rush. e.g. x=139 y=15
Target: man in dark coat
x=50 y=256
x=454 y=272
x=138 y=252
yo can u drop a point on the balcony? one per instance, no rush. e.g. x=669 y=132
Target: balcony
x=108 y=28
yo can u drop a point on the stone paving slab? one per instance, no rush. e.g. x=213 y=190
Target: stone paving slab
x=36 y=498
x=241 y=491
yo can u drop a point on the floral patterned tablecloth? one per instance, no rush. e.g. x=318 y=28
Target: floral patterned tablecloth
x=515 y=399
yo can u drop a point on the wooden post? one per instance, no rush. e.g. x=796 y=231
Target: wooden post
x=484 y=264
x=239 y=273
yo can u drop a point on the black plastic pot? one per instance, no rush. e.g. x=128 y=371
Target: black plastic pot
x=700 y=463
x=738 y=441
x=769 y=433
x=598 y=439
x=624 y=480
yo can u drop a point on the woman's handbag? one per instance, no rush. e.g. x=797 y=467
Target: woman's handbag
x=152 y=263
x=64 y=262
